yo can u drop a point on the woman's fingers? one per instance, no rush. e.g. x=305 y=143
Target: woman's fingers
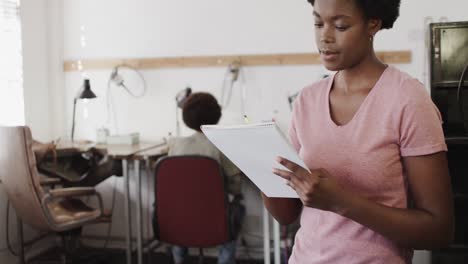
x=290 y=184
x=287 y=175
x=290 y=165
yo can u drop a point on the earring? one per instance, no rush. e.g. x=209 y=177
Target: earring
x=371 y=38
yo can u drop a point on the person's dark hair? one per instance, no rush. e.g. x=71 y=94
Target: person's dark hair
x=201 y=109
x=385 y=10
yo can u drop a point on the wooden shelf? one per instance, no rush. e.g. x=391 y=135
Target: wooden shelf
x=391 y=57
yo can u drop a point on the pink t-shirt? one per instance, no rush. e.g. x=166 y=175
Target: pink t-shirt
x=396 y=119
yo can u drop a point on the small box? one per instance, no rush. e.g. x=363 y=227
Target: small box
x=127 y=139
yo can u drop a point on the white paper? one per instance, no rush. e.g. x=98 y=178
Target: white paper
x=253 y=148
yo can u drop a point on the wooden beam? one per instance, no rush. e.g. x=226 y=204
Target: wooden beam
x=392 y=57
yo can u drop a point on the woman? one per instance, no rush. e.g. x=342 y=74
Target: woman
x=377 y=184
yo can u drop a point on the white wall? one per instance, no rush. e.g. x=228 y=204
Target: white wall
x=37 y=97
x=156 y=28
x=177 y=28
x=36 y=68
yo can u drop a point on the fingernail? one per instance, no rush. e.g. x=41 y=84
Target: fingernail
x=278 y=159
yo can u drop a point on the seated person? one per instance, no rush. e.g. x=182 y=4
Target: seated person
x=74 y=167
x=203 y=109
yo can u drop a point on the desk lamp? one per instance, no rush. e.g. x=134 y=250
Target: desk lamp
x=181 y=98
x=86 y=93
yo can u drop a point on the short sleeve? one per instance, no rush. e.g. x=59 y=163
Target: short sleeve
x=421 y=124
x=171 y=145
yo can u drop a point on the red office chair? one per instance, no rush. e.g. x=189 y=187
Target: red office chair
x=191 y=206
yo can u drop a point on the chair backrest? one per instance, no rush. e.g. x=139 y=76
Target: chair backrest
x=19 y=175
x=191 y=205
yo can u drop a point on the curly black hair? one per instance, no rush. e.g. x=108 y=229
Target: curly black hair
x=385 y=10
x=201 y=109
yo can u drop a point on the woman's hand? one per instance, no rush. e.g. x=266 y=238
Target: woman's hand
x=316 y=188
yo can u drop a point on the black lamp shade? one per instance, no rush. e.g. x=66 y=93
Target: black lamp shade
x=86 y=93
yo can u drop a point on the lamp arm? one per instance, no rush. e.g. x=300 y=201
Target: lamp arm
x=73 y=121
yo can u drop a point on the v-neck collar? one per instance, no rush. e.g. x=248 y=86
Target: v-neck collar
x=363 y=104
